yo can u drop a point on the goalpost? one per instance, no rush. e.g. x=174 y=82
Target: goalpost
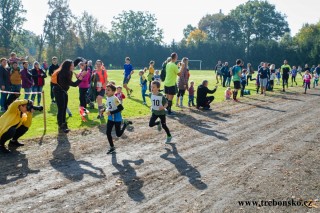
x=200 y=62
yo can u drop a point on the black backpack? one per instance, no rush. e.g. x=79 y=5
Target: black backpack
x=163 y=72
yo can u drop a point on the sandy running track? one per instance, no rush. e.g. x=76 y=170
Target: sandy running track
x=263 y=148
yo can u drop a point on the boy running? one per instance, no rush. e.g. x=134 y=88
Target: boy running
x=285 y=69
x=114 y=108
x=128 y=71
x=158 y=105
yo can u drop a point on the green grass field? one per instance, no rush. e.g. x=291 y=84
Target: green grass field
x=133 y=106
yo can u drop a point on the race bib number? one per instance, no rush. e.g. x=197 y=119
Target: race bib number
x=156 y=102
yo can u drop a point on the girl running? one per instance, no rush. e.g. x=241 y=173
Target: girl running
x=293 y=75
x=306 y=78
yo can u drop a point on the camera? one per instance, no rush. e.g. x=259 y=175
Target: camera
x=31 y=107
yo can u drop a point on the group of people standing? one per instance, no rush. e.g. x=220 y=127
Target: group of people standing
x=267 y=74
x=13 y=79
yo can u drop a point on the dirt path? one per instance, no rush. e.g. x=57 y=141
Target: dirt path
x=263 y=148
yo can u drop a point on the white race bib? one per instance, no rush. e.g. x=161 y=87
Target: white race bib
x=156 y=102
x=111 y=103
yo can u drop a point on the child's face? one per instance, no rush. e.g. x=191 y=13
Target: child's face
x=109 y=92
x=127 y=61
x=140 y=73
x=25 y=65
x=154 y=88
x=157 y=72
x=15 y=66
x=13 y=55
x=192 y=83
x=119 y=90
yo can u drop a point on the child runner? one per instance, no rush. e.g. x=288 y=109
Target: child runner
x=191 y=94
x=306 y=78
x=128 y=71
x=158 y=105
x=157 y=76
x=114 y=108
x=119 y=94
x=243 y=81
x=315 y=79
x=151 y=73
x=143 y=84
x=293 y=75
x=228 y=93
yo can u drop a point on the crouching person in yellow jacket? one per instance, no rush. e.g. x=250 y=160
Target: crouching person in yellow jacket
x=14 y=123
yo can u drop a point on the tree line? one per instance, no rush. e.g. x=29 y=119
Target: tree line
x=254 y=31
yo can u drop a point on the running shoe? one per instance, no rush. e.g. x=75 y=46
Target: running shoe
x=169 y=138
x=111 y=150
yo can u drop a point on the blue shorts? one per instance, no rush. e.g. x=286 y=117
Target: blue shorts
x=126 y=79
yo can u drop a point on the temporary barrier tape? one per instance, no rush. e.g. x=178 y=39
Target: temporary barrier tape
x=18 y=93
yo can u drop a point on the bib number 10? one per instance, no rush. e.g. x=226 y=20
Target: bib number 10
x=156 y=102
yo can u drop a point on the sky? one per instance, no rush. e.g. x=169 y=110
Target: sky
x=172 y=15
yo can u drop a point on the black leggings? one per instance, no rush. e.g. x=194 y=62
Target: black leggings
x=13 y=133
x=293 y=79
x=153 y=122
x=251 y=79
x=82 y=97
x=285 y=80
x=62 y=103
x=119 y=131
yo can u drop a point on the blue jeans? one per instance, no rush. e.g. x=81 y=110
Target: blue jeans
x=228 y=80
x=36 y=89
x=4 y=97
x=191 y=100
x=26 y=96
x=15 y=87
x=143 y=92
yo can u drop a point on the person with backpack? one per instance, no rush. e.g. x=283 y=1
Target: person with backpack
x=163 y=71
x=100 y=81
x=62 y=80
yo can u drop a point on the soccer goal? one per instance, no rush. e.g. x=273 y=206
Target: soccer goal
x=193 y=62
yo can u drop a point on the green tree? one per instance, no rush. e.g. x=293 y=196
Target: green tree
x=11 y=20
x=259 y=20
x=211 y=25
x=136 y=28
x=87 y=26
x=59 y=30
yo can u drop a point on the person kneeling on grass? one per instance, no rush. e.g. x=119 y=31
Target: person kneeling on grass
x=202 y=99
x=158 y=105
x=114 y=108
x=15 y=122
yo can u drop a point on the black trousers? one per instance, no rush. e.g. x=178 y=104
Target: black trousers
x=153 y=122
x=119 y=131
x=62 y=103
x=51 y=92
x=82 y=97
x=224 y=80
x=207 y=102
x=13 y=133
x=285 y=80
